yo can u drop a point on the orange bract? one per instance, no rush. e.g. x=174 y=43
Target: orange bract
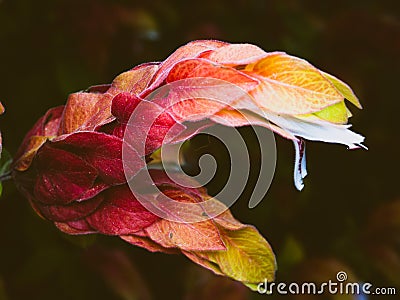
x=291 y=85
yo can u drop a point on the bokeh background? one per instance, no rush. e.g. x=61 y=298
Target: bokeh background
x=346 y=219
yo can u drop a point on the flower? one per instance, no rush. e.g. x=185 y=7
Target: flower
x=71 y=167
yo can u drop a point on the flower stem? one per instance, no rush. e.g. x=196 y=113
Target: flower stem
x=5 y=176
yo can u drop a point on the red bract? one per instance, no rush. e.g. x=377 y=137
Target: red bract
x=70 y=165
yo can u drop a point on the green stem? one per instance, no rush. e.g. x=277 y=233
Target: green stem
x=5 y=176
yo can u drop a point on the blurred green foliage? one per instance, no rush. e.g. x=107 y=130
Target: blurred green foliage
x=52 y=48
x=5 y=163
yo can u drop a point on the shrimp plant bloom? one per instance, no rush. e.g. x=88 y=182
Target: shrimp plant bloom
x=70 y=164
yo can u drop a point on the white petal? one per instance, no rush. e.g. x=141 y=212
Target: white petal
x=315 y=129
x=300 y=170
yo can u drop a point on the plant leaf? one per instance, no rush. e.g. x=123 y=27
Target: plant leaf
x=120 y=213
x=188 y=236
x=5 y=161
x=190 y=50
x=248 y=258
x=336 y=113
x=344 y=89
x=46 y=127
x=235 y=54
x=136 y=80
x=290 y=85
x=32 y=146
x=86 y=111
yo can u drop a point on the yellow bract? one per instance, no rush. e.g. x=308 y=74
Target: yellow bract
x=290 y=85
x=336 y=113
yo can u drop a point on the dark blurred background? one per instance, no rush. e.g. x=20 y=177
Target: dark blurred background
x=346 y=218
